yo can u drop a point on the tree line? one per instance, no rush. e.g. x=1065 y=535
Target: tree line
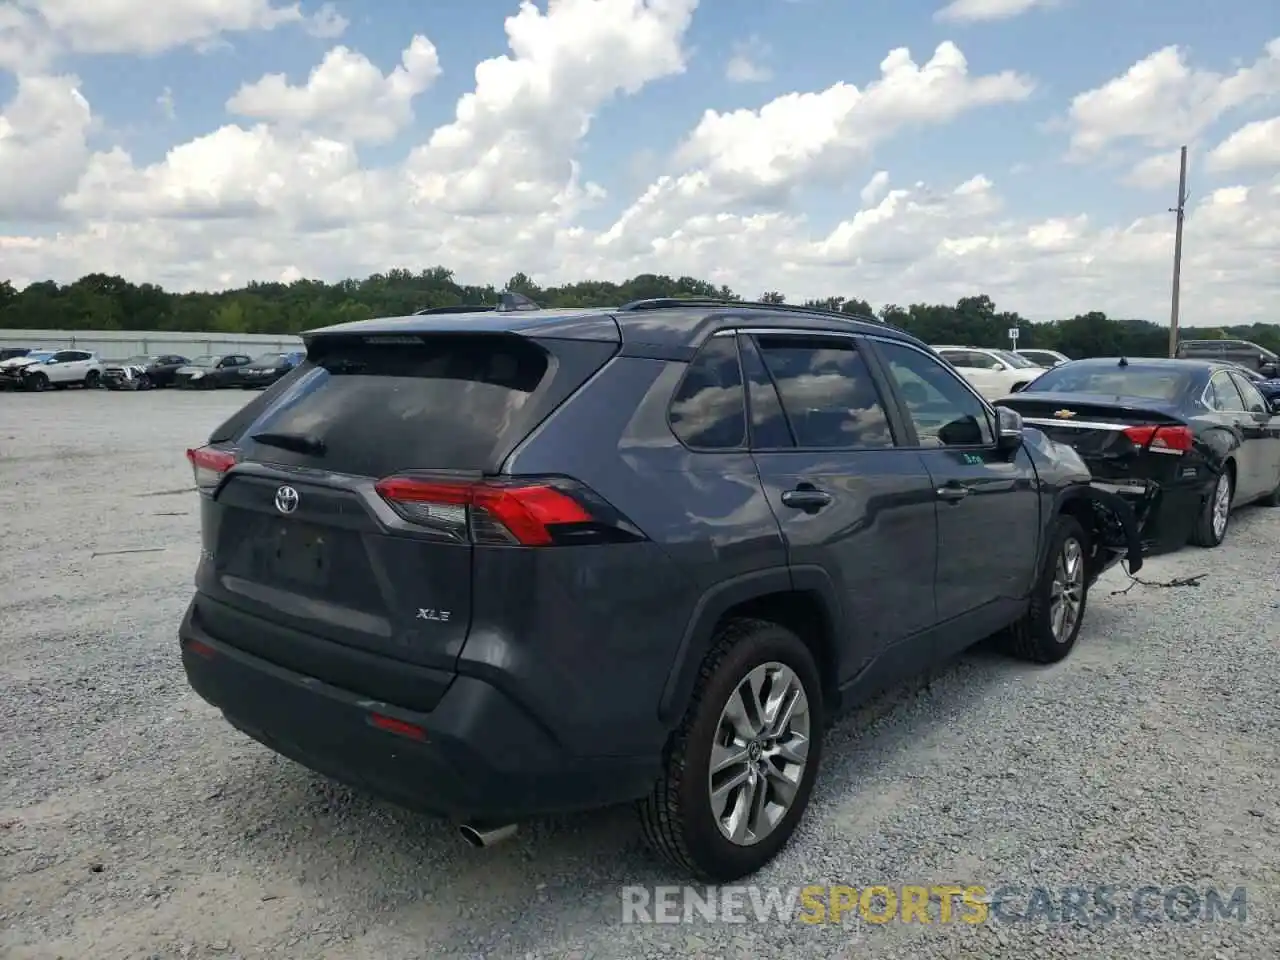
x=102 y=302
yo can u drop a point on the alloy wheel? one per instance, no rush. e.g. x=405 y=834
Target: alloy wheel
x=1066 y=595
x=760 y=753
x=1221 y=506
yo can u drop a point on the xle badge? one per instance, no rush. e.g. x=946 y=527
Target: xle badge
x=440 y=616
x=972 y=458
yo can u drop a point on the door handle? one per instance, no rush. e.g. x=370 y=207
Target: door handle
x=806 y=498
x=952 y=492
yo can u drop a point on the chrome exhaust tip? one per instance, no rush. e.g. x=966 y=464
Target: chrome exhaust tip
x=483 y=835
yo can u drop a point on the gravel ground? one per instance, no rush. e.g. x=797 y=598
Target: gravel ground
x=134 y=822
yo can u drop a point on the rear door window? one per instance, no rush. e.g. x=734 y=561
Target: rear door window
x=827 y=392
x=709 y=410
x=440 y=402
x=1223 y=395
x=1252 y=397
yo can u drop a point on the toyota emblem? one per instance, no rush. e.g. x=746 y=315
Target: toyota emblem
x=286 y=499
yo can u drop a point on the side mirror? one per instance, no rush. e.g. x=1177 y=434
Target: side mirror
x=1008 y=429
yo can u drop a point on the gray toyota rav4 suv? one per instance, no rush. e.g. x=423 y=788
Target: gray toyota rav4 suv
x=518 y=562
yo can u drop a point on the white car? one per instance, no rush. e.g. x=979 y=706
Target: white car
x=11 y=369
x=62 y=368
x=1043 y=358
x=993 y=373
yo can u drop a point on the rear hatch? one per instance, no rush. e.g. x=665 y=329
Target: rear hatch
x=1119 y=438
x=341 y=504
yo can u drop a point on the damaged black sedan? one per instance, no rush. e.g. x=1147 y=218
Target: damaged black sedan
x=1186 y=442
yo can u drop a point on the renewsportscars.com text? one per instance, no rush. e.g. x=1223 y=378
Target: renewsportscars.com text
x=941 y=903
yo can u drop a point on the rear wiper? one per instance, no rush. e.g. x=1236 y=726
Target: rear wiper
x=297 y=442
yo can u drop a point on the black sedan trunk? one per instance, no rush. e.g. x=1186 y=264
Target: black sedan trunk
x=1138 y=448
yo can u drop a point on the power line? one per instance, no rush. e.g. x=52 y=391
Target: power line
x=1180 y=210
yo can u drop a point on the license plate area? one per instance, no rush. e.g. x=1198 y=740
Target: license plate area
x=297 y=554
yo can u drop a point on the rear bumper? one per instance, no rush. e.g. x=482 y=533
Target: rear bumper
x=1165 y=514
x=1122 y=526
x=483 y=756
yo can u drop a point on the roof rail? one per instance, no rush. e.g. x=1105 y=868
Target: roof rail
x=668 y=303
x=456 y=308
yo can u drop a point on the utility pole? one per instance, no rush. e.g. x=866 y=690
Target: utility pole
x=1180 y=210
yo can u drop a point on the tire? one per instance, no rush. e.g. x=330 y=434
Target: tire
x=37 y=382
x=144 y=382
x=1208 y=533
x=91 y=379
x=1044 y=635
x=677 y=819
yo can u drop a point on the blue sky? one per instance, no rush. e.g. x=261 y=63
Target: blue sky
x=807 y=45
x=1066 y=47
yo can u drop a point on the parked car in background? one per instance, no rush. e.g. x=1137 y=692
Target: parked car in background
x=268 y=368
x=10 y=353
x=141 y=373
x=126 y=374
x=12 y=368
x=1187 y=441
x=994 y=373
x=1243 y=352
x=503 y=564
x=211 y=372
x=1043 y=358
x=58 y=370
x=1269 y=387
x=163 y=369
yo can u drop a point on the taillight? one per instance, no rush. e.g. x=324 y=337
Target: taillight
x=209 y=464
x=1161 y=439
x=534 y=512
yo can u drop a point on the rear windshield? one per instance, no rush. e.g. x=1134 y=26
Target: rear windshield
x=1148 y=383
x=443 y=403
x=1014 y=360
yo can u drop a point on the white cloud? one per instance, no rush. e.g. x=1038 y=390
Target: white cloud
x=345 y=95
x=146 y=27
x=1162 y=101
x=497 y=189
x=26 y=44
x=43 y=146
x=1255 y=144
x=327 y=23
x=510 y=145
x=745 y=65
x=233 y=173
x=759 y=157
x=875 y=189
x=1158 y=171
x=974 y=11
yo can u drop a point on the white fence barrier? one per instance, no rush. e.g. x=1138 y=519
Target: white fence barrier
x=119 y=344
